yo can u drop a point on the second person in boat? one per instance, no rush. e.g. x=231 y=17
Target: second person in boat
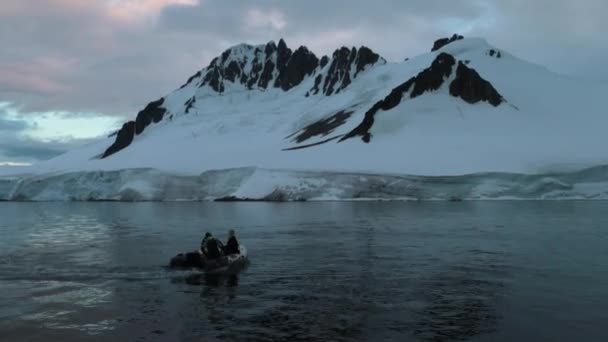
x=232 y=245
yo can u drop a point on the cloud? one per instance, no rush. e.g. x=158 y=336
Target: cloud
x=33 y=150
x=137 y=10
x=114 y=56
x=9 y=125
x=24 y=140
x=15 y=146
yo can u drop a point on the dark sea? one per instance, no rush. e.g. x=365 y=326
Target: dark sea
x=324 y=271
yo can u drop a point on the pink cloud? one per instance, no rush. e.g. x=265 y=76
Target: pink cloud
x=137 y=10
x=40 y=75
x=126 y=11
x=22 y=81
x=257 y=18
x=46 y=7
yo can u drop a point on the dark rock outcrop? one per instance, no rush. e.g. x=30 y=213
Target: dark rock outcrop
x=439 y=43
x=432 y=77
x=270 y=66
x=300 y=147
x=277 y=66
x=214 y=77
x=323 y=127
x=301 y=63
x=192 y=78
x=266 y=76
x=283 y=55
x=229 y=67
x=190 y=103
x=365 y=57
x=324 y=61
x=338 y=76
x=124 y=137
x=493 y=52
x=152 y=113
x=429 y=79
x=315 y=88
x=469 y=86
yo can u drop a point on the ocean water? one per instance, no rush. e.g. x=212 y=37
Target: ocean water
x=333 y=271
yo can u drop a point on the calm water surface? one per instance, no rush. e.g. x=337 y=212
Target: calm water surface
x=468 y=271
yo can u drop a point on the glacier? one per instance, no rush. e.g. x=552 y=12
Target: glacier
x=255 y=184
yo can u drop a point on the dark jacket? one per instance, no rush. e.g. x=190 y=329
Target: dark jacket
x=232 y=246
x=212 y=248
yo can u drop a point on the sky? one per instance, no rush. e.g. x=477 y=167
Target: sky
x=74 y=70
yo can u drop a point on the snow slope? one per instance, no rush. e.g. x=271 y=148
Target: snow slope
x=263 y=108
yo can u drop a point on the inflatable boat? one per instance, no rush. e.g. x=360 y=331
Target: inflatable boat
x=230 y=263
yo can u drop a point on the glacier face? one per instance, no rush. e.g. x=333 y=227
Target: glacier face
x=285 y=185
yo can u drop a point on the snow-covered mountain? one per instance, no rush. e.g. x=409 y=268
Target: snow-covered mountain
x=265 y=120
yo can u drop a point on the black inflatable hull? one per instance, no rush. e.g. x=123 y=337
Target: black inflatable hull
x=227 y=263
x=187 y=260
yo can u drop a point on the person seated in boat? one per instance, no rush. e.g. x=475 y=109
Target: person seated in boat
x=204 y=242
x=232 y=245
x=211 y=247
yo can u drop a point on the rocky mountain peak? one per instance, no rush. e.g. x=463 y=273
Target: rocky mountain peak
x=439 y=43
x=257 y=67
x=346 y=64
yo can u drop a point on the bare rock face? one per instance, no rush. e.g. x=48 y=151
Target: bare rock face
x=494 y=53
x=271 y=66
x=364 y=58
x=322 y=127
x=469 y=86
x=266 y=76
x=338 y=76
x=301 y=63
x=124 y=137
x=153 y=112
x=432 y=78
x=343 y=61
x=439 y=43
x=190 y=104
x=324 y=61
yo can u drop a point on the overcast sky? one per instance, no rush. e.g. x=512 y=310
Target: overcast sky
x=71 y=70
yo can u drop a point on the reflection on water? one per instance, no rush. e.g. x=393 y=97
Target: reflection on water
x=319 y=271
x=461 y=302
x=209 y=280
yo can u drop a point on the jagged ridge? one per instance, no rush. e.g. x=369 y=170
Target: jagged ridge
x=339 y=76
x=255 y=67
